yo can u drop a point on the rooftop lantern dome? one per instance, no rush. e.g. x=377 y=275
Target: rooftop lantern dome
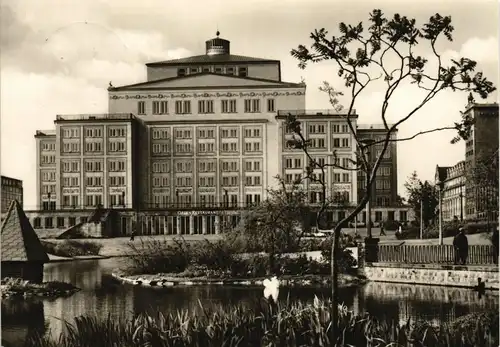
x=217 y=45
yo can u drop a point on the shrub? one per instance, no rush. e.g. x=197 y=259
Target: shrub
x=263 y=324
x=72 y=248
x=160 y=256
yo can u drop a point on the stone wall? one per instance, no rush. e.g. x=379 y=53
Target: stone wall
x=439 y=275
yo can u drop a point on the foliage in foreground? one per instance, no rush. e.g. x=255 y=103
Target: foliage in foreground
x=72 y=248
x=224 y=259
x=284 y=324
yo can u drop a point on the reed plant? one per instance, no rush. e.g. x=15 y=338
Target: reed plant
x=268 y=324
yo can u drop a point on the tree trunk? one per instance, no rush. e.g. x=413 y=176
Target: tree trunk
x=335 y=283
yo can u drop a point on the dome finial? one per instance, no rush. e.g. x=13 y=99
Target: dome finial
x=217 y=33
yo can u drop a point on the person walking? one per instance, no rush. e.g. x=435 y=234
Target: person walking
x=461 y=245
x=382 y=231
x=132 y=236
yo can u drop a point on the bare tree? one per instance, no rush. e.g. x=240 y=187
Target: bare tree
x=356 y=52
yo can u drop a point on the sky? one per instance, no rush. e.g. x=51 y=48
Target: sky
x=58 y=56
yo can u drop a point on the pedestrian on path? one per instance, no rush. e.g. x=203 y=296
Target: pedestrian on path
x=461 y=245
x=382 y=231
x=132 y=236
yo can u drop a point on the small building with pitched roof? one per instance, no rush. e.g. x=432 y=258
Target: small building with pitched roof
x=23 y=255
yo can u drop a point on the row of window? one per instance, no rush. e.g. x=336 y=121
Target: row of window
x=94 y=132
x=320 y=128
x=206 y=147
x=380 y=183
x=320 y=143
x=315 y=177
x=163 y=133
x=94 y=146
x=206 y=166
x=94 y=165
x=207 y=181
x=241 y=71
x=205 y=106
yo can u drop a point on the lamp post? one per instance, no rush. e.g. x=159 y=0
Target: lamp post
x=461 y=195
x=440 y=216
x=367 y=143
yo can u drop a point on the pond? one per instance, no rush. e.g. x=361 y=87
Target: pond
x=102 y=296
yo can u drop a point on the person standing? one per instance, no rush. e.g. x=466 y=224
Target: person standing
x=461 y=245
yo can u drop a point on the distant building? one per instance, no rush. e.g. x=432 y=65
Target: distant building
x=185 y=151
x=482 y=145
x=23 y=255
x=452 y=181
x=385 y=189
x=12 y=189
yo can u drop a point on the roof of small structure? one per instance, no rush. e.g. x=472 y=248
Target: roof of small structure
x=19 y=240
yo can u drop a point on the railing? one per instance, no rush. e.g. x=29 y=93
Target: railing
x=434 y=254
x=100 y=116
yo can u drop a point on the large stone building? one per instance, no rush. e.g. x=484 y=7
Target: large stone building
x=12 y=189
x=482 y=146
x=461 y=197
x=184 y=151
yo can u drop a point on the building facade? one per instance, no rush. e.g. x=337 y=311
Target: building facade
x=481 y=145
x=184 y=151
x=452 y=180
x=12 y=189
x=385 y=190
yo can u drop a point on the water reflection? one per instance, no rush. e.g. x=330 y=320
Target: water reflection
x=102 y=296
x=20 y=320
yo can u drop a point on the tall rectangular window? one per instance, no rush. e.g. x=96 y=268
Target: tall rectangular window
x=183 y=107
x=141 y=107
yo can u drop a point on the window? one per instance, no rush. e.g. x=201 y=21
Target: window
x=141 y=107
x=183 y=148
x=60 y=222
x=161 y=166
x=161 y=148
x=181 y=72
x=183 y=107
x=48 y=223
x=346 y=177
x=206 y=69
x=242 y=72
x=160 y=107
x=218 y=70
x=336 y=142
x=336 y=177
x=93 y=181
x=117 y=132
x=71 y=221
x=345 y=142
x=228 y=106
x=116 y=165
x=316 y=129
x=193 y=70
x=345 y=128
x=230 y=70
x=116 y=181
x=37 y=223
x=271 y=105
x=335 y=128
x=205 y=106
x=252 y=105
x=117 y=146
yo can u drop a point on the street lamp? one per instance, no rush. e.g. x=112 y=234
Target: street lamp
x=367 y=143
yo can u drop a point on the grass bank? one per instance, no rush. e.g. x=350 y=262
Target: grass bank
x=284 y=324
x=72 y=248
x=15 y=287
